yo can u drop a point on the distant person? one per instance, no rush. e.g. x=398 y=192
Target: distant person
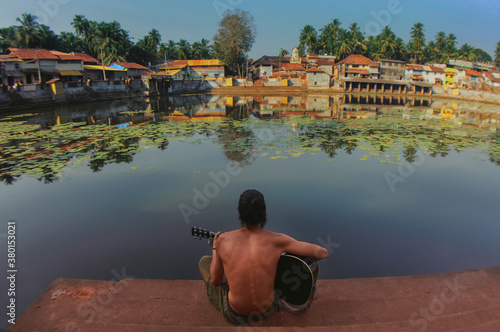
x=248 y=259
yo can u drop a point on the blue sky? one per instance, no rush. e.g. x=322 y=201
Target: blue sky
x=278 y=22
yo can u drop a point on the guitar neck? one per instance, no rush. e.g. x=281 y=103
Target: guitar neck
x=201 y=233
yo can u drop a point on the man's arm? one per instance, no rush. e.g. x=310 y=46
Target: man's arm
x=290 y=245
x=216 y=268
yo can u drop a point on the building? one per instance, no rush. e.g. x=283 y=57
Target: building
x=134 y=71
x=449 y=80
x=317 y=77
x=35 y=62
x=97 y=72
x=433 y=75
x=391 y=69
x=324 y=62
x=474 y=78
x=194 y=69
x=356 y=66
x=11 y=70
x=30 y=66
x=491 y=78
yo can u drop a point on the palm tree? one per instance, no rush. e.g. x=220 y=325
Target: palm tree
x=28 y=31
x=71 y=42
x=356 y=39
x=467 y=52
x=184 y=49
x=283 y=52
x=206 y=49
x=8 y=38
x=328 y=37
x=387 y=42
x=417 y=42
x=342 y=45
x=308 y=37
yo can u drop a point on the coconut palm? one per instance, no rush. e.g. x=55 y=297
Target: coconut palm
x=308 y=36
x=387 y=42
x=467 y=52
x=283 y=52
x=183 y=49
x=28 y=31
x=417 y=42
x=328 y=37
x=357 y=39
x=342 y=45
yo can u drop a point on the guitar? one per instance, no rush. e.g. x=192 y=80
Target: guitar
x=294 y=281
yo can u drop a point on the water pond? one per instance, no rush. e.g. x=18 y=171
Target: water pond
x=391 y=186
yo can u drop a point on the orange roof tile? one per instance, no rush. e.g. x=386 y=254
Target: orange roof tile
x=32 y=53
x=471 y=72
x=358 y=59
x=130 y=65
x=353 y=71
x=85 y=57
x=292 y=66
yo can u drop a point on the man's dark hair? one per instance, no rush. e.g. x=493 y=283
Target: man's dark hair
x=252 y=209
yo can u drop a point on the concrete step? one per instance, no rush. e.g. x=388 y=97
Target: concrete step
x=460 y=301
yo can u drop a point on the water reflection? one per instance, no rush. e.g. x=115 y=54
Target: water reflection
x=388 y=128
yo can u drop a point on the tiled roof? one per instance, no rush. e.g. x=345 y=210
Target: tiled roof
x=178 y=64
x=491 y=77
x=292 y=66
x=85 y=57
x=436 y=69
x=31 y=53
x=315 y=70
x=415 y=67
x=130 y=65
x=65 y=56
x=358 y=59
x=472 y=72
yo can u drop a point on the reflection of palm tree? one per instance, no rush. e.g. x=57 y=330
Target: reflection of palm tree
x=237 y=144
x=410 y=153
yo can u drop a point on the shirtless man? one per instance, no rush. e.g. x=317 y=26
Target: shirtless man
x=248 y=258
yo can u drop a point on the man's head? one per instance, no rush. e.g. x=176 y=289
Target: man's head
x=252 y=209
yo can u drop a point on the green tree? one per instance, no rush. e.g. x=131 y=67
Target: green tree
x=234 y=39
x=356 y=39
x=417 y=43
x=309 y=37
x=497 y=55
x=28 y=31
x=467 y=52
x=183 y=49
x=283 y=52
x=8 y=37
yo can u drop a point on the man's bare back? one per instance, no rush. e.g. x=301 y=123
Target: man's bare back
x=249 y=258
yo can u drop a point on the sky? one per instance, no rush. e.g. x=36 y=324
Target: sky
x=278 y=23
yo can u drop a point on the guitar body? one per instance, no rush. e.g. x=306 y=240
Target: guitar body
x=294 y=282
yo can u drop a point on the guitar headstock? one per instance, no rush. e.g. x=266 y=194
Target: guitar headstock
x=201 y=233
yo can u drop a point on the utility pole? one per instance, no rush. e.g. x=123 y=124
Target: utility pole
x=103 y=70
x=39 y=70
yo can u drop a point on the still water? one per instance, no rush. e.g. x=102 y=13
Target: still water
x=391 y=186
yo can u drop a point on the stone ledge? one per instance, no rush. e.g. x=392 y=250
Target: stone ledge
x=461 y=301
